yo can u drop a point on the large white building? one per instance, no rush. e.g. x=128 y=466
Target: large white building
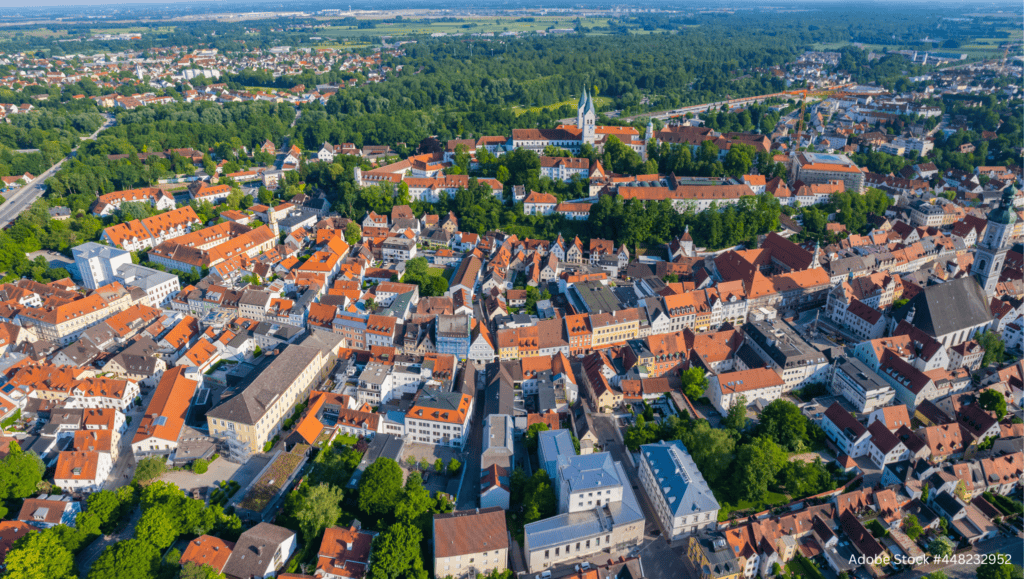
x=98 y=264
x=159 y=286
x=598 y=511
x=682 y=499
x=439 y=417
x=725 y=390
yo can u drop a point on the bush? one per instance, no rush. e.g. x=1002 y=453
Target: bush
x=200 y=466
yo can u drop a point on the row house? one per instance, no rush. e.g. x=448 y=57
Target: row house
x=141 y=234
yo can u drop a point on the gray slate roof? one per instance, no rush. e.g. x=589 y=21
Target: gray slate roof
x=948 y=307
x=679 y=479
x=255 y=550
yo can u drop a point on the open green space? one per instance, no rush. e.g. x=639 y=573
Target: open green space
x=463 y=26
x=771 y=499
x=38 y=33
x=600 y=101
x=138 y=29
x=347 y=439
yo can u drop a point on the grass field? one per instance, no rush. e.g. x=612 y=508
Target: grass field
x=138 y=29
x=464 y=26
x=601 y=101
x=39 y=32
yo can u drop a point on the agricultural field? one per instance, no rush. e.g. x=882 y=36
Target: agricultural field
x=464 y=26
x=39 y=33
x=135 y=29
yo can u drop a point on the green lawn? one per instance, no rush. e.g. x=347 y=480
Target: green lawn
x=801 y=567
x=601 y=101
x=771 y=500
x=347 y=439
x=437 y=271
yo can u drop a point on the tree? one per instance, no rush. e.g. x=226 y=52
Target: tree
x=993 y=346
x=320 y=509
x=736 y=419
x=158 y=526
x=694 y=383
x=711 y=450
x=438 y=465
x=149 y=468
x=502 y=174
x=353 y=233
x=940 y=547
x=782 y=422
x=396 y=554
x=111 y=507
x=757 y=465
x=739 y=160
x=415 y=507
x=380 y=487
x=131 y=559
x=993 y=401
x=193 y=570
x=995 y=570
x=403 y=194
x=40 y=556
x=912 y=527
x=20 y=473
x=266 y=196
x=533 y=436
x=454 y=465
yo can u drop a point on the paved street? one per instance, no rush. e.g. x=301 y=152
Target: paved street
x=469 y=492
x=124 y=467
x=21 y=199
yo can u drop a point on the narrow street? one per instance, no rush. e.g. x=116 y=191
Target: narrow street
x=88 y=556
x=469 y=493
x=124 y=468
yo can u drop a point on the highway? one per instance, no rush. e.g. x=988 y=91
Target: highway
x=26 y=196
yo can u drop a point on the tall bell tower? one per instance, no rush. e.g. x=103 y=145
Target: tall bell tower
x=586 y=118
x=993 y=246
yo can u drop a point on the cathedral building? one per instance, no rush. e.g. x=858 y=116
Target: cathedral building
x=586 y=131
